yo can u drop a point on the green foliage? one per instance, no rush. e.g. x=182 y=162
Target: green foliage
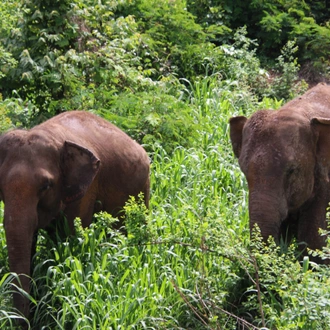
x=45 y=32
x=107 y=56
x=8 y=314
x=136 y=220
x=286 y=84
x=8 y=16
x=154 y=119
x=97 y=281
x=67 y=53
x=187 y=263
x=285 y=21
x=239 y=70
x=171 y=80
x=5 y=122
x=292 y=294
x=7 y=62
x=273 y=24
x=170 y=35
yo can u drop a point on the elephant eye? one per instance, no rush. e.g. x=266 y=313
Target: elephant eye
x=291 y=170
x=46 y=185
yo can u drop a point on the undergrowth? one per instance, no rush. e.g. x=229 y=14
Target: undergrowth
x=188 y=262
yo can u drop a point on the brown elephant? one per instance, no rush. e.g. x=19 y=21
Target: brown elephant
x=285 y=156
x=68 y=165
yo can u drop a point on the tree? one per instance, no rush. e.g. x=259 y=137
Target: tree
x=45 y=32
x=272 y=23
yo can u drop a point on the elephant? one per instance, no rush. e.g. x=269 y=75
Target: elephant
x=73 y=164
x=285 y=157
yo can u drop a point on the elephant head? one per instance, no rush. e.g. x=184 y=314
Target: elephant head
x=285 y=157
x=38 y=178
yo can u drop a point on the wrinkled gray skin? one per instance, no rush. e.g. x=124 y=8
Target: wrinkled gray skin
x=285 y=156
x=71 y=163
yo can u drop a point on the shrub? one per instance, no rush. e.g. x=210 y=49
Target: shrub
x=286 y=84
x=154 y=119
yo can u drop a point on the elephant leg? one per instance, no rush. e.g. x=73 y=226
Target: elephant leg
x=58 y=229
x=63 y=225
x=146 y=193
x=83 y=209
x=289 y=227
x=312 y=219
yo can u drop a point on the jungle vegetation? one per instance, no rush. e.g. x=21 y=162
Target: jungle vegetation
x=170 y=74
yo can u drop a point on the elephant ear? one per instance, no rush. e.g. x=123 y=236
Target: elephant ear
x=322 y=127
x=79 y=168
x=236 y=133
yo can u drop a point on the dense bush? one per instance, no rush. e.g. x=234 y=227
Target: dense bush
x=273 y=24
x=64 y=55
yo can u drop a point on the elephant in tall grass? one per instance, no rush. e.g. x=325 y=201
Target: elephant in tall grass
x=67 y=165
x=285 y=156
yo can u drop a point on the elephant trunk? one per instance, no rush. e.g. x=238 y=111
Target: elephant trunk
x=267 y=211
x=20 y=226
